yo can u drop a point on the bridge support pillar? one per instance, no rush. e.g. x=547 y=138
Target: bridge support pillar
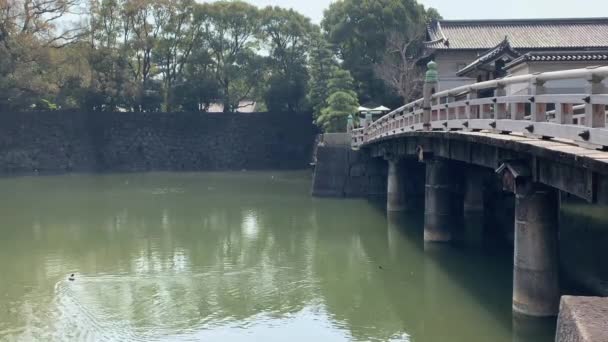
x=395 y=191
x=440 y=201
x=473 y=192
x=404 y=184
x=536 y=289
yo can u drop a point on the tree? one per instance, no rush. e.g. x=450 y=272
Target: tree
x=200 y=87
x=110 y=86
x=141 y=33
x=398 y=68
x=341 y=102
x=321 y=64
x=38 y=19
x=29 y=42
x=182 y=26
x=23 y=73
x=360 y=30
x=148 y=55
x=286 y=33
x=231 y=32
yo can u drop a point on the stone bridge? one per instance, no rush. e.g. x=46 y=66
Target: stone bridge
x=534 y=139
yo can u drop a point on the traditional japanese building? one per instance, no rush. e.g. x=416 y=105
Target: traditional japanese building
x=469 y=51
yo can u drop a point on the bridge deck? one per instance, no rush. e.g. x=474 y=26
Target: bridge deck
x=557 y=145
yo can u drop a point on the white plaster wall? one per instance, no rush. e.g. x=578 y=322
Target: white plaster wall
x=448 y=64
x=554 y=87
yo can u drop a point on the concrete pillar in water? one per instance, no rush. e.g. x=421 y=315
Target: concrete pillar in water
x=536 y=289
x=532 y=329
x=405 y=184
x=473 y=192
x=395 y=191
x=439 y=201
x=474 y=187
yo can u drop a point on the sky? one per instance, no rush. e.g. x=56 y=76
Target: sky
x=472 y=9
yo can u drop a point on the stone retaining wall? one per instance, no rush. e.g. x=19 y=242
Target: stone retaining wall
x=55 y=142
x=343 y=172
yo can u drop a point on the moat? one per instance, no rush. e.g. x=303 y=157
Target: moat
x=237 y=256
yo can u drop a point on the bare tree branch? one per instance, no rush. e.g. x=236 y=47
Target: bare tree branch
x=398 y=67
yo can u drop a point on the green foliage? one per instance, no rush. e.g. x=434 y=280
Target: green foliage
x=26 y=72
x=341 y=80
x=360 y=29
x=230 y=40
x=341 y=102
x=110 y=88
x=287 y=92
x=321 y=64
x=152 y=55
x=44 y=104
x=287 y=35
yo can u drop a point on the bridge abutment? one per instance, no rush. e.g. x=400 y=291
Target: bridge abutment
x=343 y=172
x=440 y=201
x=536 y=290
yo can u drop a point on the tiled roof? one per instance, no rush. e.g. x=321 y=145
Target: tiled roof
x=561 y=56
x=522 y=34
x=504 y=48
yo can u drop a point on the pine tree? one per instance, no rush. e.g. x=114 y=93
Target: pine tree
x=342 y=101
x=321 y=65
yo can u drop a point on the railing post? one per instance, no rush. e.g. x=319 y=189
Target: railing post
x=538 y=111
x=471 y=111
x=349 y=124
x=500 y=109
x=450 y=111
x=518 y=111
x=595 y=114
x=430 y=86
x=563 y=113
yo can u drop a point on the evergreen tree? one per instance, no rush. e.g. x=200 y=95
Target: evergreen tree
x=341 y=102
x=360 y=30
x=287 y=34
x=321 y=65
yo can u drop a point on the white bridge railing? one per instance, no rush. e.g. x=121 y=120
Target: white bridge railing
x=577 y=117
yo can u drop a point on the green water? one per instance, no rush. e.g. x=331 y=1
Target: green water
x=235 y=257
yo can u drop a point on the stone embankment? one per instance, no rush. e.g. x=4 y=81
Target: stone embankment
x=56 y=142
x=343 y=172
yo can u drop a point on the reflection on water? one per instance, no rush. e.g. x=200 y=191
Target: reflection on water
x=233 y=257
x=583 y=241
